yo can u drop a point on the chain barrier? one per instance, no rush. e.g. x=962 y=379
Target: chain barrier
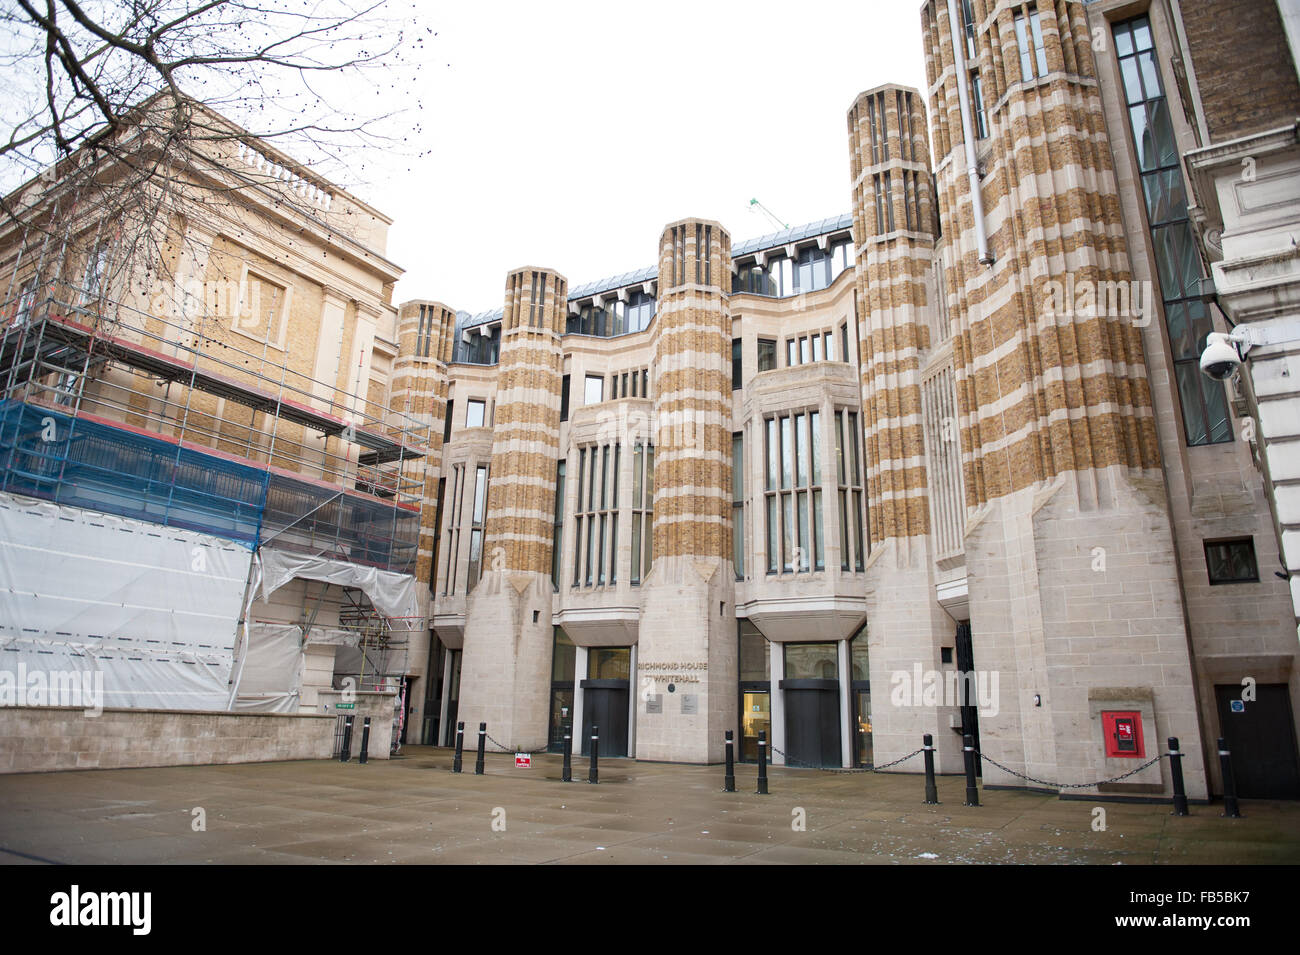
x=791 y=762
x=1051 y=785
x=503 y=749
x=800 y=764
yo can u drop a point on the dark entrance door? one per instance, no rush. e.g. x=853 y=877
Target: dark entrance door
x=604 y=704
x=970 y=714
x=812 y=722
x=1261 y=737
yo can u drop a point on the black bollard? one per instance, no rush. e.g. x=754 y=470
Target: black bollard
x=460 y=747
x=566 y=774
x=593 y=773
x=346 y=754
x=729 y=780
x=482 y=747
x=1230 y=809
x=1176 y=769
x=365 y=740
x=968 y=752
x=931 y=791
x=762 y=763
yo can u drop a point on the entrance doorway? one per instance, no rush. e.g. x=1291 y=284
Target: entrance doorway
x=812 y=722
x=1260 y=734
x=755 y=718
x=605 y=697
x=604 y=704
x=811 y=694
x=970 y=713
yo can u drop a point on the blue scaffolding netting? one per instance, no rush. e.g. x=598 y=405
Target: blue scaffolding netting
x=85 y=463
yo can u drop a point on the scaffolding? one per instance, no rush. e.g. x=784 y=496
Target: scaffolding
x=106 y=407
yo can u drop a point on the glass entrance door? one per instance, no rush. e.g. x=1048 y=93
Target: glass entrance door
x=755 y=717
x=561 y=717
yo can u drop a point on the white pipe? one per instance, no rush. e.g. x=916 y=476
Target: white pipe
x=963 y=96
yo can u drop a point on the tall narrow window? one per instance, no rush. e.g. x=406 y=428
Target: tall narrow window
x=557 y=530
x=643 y=479
x=793 y=493
x=848 y=475
x=738 y=503
x=737 y=366
x=977 y=106
x=594 y=390
x=476 y=528
x=1187 y=317
x=766 y=354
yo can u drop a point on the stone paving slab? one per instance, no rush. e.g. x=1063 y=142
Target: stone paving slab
x=414 y=810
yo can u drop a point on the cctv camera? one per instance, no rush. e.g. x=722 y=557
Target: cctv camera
x=1220 y=357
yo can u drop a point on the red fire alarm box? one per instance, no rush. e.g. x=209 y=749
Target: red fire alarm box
x=1123 y=734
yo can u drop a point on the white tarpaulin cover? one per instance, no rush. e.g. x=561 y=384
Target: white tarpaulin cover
x=155 y=608
x=392 y=594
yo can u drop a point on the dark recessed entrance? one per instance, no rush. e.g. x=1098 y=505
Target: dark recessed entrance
x=1260 y=734
x=604 y=704
x=812 y=722
x=605 y=699
x=811 y=694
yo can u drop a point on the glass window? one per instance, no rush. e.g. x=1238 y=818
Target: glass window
x=609 y=663
x=564 y=658
x=595 y=390
x=766 y=354
x=738 y=503
x=755 y=657
x=737 y=366
x=1231 y=562
x=1178 y=265
x=474 y=409
x=811 y=661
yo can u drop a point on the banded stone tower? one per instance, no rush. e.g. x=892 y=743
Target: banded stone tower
x=688 y=615
x=507 y=653
x=425 y=341
x=1073 y=592
x=894 y=221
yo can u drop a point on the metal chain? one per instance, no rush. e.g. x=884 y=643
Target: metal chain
x=870 y=769
x=1052 y=785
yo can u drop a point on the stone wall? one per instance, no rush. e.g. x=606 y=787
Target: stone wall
x=46 y=738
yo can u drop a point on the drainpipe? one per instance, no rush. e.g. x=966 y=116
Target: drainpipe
x=968 y=135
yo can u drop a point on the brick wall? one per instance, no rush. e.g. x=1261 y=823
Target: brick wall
x=1246 y=75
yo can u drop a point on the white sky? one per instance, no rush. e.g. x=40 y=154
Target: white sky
x=568 y=134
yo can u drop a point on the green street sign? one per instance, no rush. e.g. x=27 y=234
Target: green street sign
x=345 y=706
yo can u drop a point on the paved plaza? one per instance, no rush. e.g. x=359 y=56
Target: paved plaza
x=414 y=810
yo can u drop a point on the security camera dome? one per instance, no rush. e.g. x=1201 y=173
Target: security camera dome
x=1220 y=357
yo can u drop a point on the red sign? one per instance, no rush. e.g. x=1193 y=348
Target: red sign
x=523 y=761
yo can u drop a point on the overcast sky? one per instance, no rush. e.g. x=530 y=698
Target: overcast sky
x=568 y=134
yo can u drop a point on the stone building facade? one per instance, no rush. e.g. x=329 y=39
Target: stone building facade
x=964 y=432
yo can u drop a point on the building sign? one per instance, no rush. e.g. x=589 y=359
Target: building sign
x=672 y=671
x=689 y=703
x=523 y=760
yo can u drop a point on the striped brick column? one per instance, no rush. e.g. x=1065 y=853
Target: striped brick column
x=893 y=222
x=506 y=667
x=526 y=424
x=425 y=338
x=688 y=620
x=894 y=226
